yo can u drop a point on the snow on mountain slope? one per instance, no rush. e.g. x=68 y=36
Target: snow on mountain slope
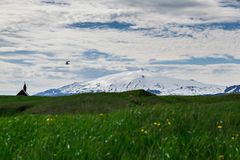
x=153 y=82
x=233 y=89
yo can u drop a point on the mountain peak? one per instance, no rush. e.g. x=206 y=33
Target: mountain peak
x=147 y=80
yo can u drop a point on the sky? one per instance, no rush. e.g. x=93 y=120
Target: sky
x=190 y=39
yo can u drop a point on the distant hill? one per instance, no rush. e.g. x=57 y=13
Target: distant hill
x=101 y=102
x=82 y=103
x=152 y=82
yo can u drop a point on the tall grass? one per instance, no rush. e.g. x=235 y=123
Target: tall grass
x=147 y=132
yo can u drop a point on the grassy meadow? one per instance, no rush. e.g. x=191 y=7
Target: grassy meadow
x=123 y=126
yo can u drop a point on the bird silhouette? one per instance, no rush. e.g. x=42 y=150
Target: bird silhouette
x=67 y=62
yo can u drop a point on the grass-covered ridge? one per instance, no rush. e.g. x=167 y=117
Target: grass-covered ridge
x=100 y=102
x=131 y=125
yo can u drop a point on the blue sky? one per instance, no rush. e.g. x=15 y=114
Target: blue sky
x=201 y=61
x=188 y=39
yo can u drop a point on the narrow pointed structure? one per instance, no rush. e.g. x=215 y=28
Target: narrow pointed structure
x=23 y=92
x=25 y=87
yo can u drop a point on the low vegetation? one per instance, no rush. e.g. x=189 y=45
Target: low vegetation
x=131 y=125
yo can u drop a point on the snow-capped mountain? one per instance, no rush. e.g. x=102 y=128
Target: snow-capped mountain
x=233 y=89
x=150 y=81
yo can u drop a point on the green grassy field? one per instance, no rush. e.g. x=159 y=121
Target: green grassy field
x=131 y=125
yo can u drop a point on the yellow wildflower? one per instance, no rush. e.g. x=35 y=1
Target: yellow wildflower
x=144 y=131
x=169 y=122
x=101 y=114
x=68 y=146
x=235 y=136
x=221 y=157
x=219 y=126
x=157 y=124
x=49 y=119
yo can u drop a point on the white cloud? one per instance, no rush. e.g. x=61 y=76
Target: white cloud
x=40 y=28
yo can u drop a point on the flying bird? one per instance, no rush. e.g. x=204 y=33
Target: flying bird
x=67 y=62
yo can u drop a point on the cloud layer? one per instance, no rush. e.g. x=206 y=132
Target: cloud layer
x=109 y=36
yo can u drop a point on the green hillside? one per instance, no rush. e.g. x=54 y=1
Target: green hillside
x=130 y=125
x=101 y=102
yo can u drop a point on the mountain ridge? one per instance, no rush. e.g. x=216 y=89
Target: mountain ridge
x=232 y=89
x=152 y=82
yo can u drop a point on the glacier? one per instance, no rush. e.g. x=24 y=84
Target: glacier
x=150 y=81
